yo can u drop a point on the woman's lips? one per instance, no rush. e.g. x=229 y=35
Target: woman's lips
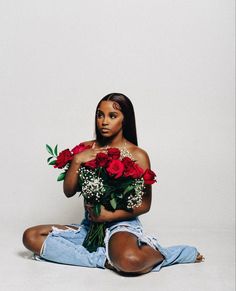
x=105 y=129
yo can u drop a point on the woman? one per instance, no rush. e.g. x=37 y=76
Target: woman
x=127 y=250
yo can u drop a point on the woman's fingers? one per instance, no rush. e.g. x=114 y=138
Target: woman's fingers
x=90 y=154
x=97 y=149
x=91 y=215
x=90 y=210
x=101 y=150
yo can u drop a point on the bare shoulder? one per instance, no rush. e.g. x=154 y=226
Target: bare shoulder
x=139 y=155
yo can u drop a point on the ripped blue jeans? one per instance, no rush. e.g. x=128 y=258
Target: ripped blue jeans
x=65 y=246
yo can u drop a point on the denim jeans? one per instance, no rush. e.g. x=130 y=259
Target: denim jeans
x=65 y=246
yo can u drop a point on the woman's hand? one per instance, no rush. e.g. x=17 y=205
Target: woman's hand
x=104 y=216
x=88 y=155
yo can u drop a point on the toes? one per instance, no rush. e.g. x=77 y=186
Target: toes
x=200 y=258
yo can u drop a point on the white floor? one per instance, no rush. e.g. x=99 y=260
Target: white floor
x=19 y=272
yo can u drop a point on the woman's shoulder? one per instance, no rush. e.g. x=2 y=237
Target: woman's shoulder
x=139 y=155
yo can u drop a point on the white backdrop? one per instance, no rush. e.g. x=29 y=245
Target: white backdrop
x=173 y=59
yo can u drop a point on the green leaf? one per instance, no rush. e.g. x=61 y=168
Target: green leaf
x=128 y=189
x=113 y=203
x=61 y=177
x=97 y=209
x=52 y=162
x=49 y=159
x=49 y=149
x=55 y=150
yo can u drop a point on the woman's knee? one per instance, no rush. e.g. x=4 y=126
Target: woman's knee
x=34 y=237
x=129 y=261
x=125 y=254
x=29 y=237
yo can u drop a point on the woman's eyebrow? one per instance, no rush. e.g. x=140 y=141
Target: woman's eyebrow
x=116 y=112
x=100 y=111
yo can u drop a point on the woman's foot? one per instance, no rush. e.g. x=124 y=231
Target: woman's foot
x=200 y=258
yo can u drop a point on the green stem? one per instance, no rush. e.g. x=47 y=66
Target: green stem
x=95 y=237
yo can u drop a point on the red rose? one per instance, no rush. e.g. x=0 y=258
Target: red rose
x=115 y=168
x=101 y=159
x=63 y=158
x=149 y=177
x=127 y=162
x=137 y=171
x=131 y=168
x=79 y=148
x=91 y=164
x=113 y=153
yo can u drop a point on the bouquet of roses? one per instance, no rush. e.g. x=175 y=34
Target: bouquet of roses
x=109 y=180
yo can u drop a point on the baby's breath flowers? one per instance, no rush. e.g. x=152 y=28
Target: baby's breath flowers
x=135 y=199
x=92 y=187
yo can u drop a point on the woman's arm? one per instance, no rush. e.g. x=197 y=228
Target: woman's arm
x=71 y=178
x=109 y=216
x=143 y=161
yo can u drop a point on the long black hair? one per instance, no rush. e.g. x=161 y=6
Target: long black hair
x=126 y=107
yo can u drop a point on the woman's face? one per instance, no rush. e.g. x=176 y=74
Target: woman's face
x=109 y=118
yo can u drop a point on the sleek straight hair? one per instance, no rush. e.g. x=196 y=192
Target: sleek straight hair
x=126 y=107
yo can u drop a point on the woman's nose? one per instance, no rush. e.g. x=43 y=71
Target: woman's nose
x=105 y=121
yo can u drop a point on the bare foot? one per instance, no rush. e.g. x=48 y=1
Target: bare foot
x=200 y=258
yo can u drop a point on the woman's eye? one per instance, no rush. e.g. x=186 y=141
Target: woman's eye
x=99 y=115
x=113 y=116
